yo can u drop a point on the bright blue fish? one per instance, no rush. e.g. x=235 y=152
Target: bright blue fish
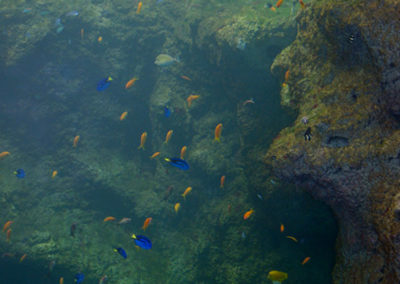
x=142 y=241
x=79 y=278
x=20 y=173
x=179 y=163
x=167 y=112
x=121 y=251
x=104 y=84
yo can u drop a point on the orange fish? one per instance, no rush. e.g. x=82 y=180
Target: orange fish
x=155 y=155
x=191 y=98
x=222 y=182
x=218 y=130
x=100 y=39
x=139 y=7
x=305 y=260
x=61 y=280
x=187 y=191
x=292 y=238
x=186 y=78
x=183 y=152
x=169 y=134
x=8 y=234
x=143 y=139
x=248 y=214
x=53 y=175
x=4 y=154
x=282 y=228
x=82 y=34
x=123 y=115
x=302 y=4
x=76 y=139
x=287 y=74
x=130 y=82
x=177 y=206
x=279 y=3
x=146 y=223
x=22 y=258
x=110 y=218
x=7 y=225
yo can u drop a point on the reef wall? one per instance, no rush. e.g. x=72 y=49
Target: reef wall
x=345 y=79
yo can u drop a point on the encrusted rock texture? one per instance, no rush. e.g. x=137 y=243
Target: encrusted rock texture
x=345 y=78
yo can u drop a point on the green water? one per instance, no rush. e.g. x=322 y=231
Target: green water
x=48 y=96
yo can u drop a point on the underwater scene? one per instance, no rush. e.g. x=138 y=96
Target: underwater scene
x=200 y=141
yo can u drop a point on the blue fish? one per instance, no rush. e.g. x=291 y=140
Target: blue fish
x=104 y=84
x=167 y=112
x=79 y=278
x=121 y=251
x=142 y=241
x=20 y=173
x=179 y=163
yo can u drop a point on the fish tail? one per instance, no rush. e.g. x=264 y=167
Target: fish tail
x=141 y=147
x=218 y=139
x=184 y=196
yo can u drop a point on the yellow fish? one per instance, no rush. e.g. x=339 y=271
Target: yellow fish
x=76 y=139
x=187 y=191
x=53 y=175
x=4 y=154
x=123 y=115
x=275 y=275
x=292 y=238
x=155 y=155
x=139 y=7
x=143 y=139
x=218 y=130
x=177 y=206
x=100 y=39
x=183 y=152
x=191 y=98
x=169 y=134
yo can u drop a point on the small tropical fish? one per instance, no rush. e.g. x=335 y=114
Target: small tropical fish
x=61 y=280
x=53 y=175
x=72 y=14
x=307 y=134
x=103 y=279
x=167 y=112
x=187 y=191
x=123 y=115
x=304 y=120
x=292 y=238
x=26 y=10
x=278 y=276
x=122 y=252
x=143 y=139
x=191 y=98
x=177 y=206
x=79 y=278
x=110 y=218
x=8 y=234
x=217 y=132
x=248 y=214
x=22 y=258
x=307 y=259
x=76 y=140
x=186 y=78
x=164 y=60
x=20 y=173
x=183 y=152
x=287 y=74
x=168 y=136
x=104 y=83
x=131 y=82
x=249 y=101
x=142 y=241
x=179 y=163
x=222 y=182
x=124 y=220
x=146 y=223
x=4 y=154
x=139 y=7
x=279 y=3
x=302 y=4
x=82 y=34
x=7 y=225
x=259 y=196
x=155 y=155
x=99 y=39
x=72 y=229
x=282 y=228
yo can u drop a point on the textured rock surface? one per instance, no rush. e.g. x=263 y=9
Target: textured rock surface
x=344 y=76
